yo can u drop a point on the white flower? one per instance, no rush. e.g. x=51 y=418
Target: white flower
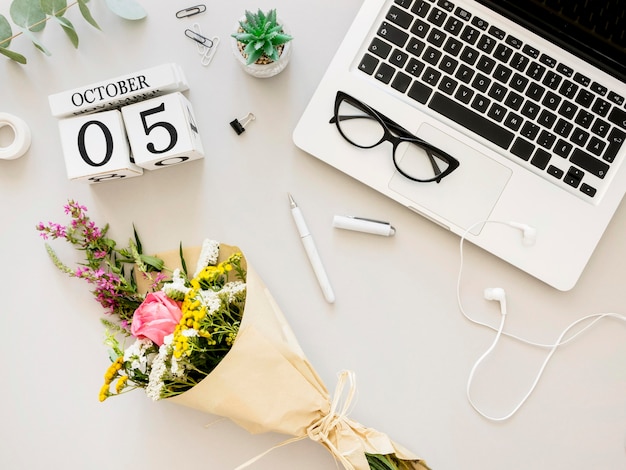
x=190 y=333
x=176 y=289
x=208 y=255
x=159 y=368
x=211 y=300
x=233 y=291
x=136 y=354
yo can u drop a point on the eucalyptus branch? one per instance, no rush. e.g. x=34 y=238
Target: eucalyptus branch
x=61 y=12
x=22 y=12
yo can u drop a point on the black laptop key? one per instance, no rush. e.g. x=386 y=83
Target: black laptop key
x=464 y=94
x=437 y=17
x=615 y=98
x=368 y=64
x=513 y=42
x=471 y=120
x=556 y=172
x=446 y=5
x=497 y=32
x=589 y=163
x=588 y=190
x=419 y=92
x=616 y=139
x=404 y=3
x=463 y=14
x=480 y=23
x=436 y=37
x=541 y=159
x=380 y=48
x=400 y=17
x=574 y=176
x=384 y=73
x=470 y=35
x=401 y=82
x=601 y=107
x=584 y=98
x=421 y=8
x=503 y=53
x=522 y=149
x=453 y=26
x=393 y=34
x=618 y=117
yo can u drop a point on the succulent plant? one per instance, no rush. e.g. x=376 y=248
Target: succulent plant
x=261 y=35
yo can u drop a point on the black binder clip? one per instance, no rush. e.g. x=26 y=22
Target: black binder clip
x=240 y=126
x=191 y=11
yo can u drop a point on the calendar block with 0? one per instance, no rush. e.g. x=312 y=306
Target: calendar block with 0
x=96 y=148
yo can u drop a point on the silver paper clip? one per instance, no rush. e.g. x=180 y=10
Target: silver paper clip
x=199 y=38
x=207 y=47
x=191 y=11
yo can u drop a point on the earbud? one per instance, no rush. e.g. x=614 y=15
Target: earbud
x=529 y=233
x=498 y=294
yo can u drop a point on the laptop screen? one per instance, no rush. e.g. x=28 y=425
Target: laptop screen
x=594 y=30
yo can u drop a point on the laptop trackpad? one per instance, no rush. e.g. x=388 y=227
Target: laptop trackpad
x=466 y=196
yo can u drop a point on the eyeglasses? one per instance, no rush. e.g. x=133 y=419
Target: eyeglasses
x=366 y=128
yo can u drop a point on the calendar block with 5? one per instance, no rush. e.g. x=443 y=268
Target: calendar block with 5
x=162 y=131
x=96 y=148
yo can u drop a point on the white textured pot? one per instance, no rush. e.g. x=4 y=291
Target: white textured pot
x=263 y=70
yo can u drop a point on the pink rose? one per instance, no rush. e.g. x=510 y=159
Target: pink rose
x=156 y=317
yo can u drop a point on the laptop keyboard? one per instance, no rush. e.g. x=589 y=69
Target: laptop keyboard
x=546 y=115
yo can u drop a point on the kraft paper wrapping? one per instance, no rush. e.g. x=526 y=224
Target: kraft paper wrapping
x=266 y=384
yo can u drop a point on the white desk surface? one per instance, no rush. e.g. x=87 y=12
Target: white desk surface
x=395 y=322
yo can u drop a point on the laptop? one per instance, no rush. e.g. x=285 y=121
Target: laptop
x=526 y=96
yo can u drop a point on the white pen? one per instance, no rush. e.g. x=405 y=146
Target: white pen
x=311 y=251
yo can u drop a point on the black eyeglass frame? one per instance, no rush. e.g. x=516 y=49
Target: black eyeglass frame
x=395 y=134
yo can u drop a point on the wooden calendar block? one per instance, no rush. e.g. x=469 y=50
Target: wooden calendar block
x=96 y=149
x=162 y=131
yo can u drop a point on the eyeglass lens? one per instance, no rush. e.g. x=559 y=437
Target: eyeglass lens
x=364 y=130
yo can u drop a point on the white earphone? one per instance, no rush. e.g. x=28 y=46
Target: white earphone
x=529 y=237
x=529 y=234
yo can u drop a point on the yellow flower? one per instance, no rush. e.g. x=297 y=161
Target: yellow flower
x=121 y=383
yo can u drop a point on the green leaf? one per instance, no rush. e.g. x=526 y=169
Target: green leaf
x=54 y=7
x=13 y=55
x=5 y=32
x=153 y=262
x=182 y=259
x=127 y=9
x=84 y=10
x=137 y=240
x=28 y=14
x=36 y=42
x=68 y=27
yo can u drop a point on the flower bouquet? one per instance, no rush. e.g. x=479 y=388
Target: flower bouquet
x=216 y=341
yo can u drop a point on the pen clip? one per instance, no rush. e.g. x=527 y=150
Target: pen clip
x=382 y=222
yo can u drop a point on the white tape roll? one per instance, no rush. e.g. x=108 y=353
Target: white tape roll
x=21 y=143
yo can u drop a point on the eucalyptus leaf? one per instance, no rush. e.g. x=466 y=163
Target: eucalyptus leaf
x=35 y=41
x=127 y=9
x=68 y=27
x=54 y=7
x=5 y=32
x=13 y=55
x=84 y=10
x=28 y=14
